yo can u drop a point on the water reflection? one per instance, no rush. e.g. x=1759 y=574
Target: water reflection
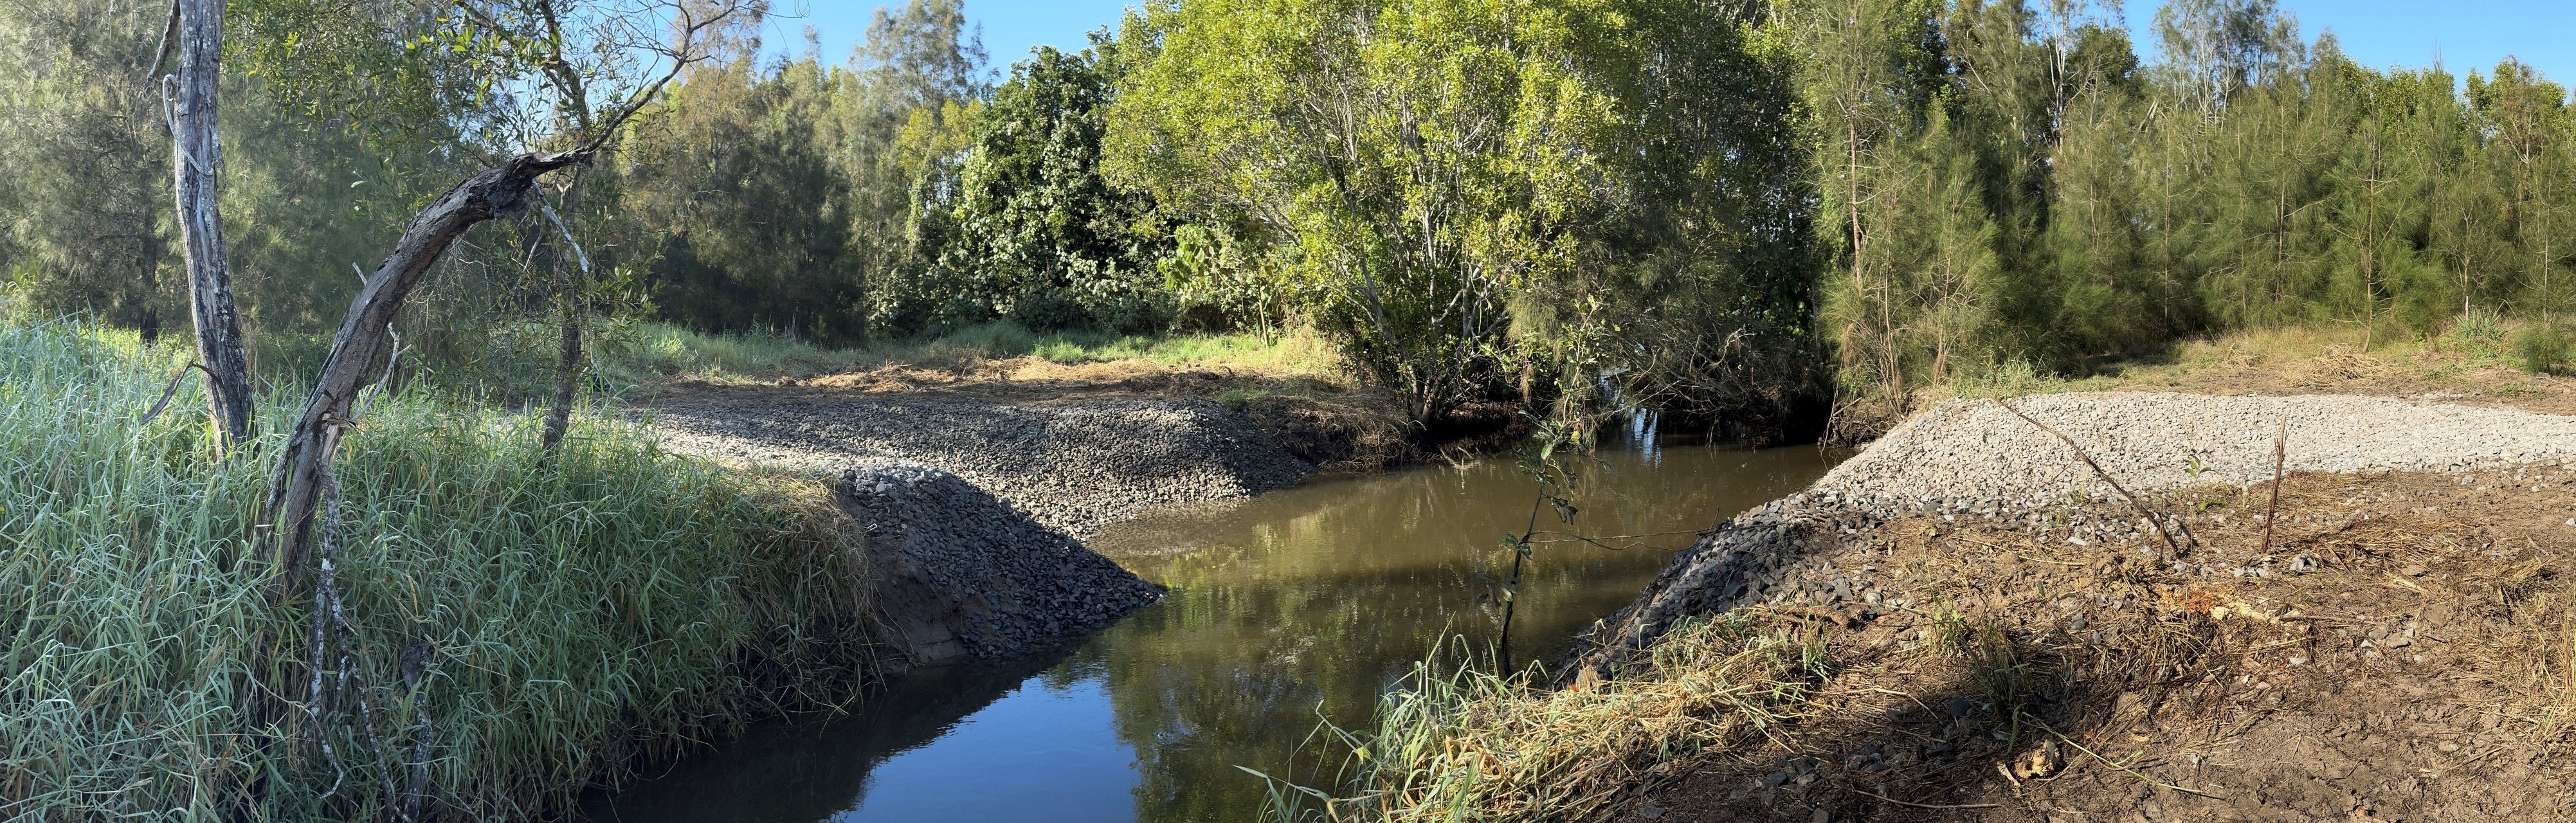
x=1307 y=600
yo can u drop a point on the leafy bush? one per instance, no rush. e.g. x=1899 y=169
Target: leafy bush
x=2542 y=349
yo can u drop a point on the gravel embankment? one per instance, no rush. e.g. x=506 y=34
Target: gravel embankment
x=959 y=573
x=1076 y=466
x=1974 y=459
x=974 y=511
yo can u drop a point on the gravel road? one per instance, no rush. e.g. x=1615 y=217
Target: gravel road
x=1975 y=459
x=974 y=510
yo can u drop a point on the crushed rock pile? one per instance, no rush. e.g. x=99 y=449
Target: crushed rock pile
x=958 y=573
x=974 y=512
x=1074 y=466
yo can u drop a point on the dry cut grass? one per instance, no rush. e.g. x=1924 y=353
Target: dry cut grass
x=1459 y=743
x=2478 y=359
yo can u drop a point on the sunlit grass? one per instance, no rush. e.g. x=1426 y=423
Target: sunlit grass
x=2472 y=343
x=654 y=351
x=612 y=601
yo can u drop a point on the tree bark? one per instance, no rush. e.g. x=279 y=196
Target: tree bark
x=196 y=156
x=294 y=486
x=567 y=377
x=573 y=311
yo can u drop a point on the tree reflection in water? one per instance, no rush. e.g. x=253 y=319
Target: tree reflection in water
x=1315 y=597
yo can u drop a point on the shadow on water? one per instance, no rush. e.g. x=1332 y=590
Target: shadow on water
x=1302 y=603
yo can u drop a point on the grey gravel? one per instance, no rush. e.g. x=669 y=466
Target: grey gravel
x=1074 y=466
x=1972 y=459
x=974 y=511
x=958 y=573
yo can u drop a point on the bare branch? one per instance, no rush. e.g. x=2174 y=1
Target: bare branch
x=169 y=38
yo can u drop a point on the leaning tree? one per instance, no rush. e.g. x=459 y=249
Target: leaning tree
x=566 y=77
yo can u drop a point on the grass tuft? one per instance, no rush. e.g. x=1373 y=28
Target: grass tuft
x=1459 y=743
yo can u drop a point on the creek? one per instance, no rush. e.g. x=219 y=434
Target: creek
x=1291 y=608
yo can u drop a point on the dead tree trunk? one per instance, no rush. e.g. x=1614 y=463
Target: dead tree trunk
x=196 y=157
x=294 y=487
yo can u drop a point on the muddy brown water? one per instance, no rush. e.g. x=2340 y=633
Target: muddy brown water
x=1298 y=606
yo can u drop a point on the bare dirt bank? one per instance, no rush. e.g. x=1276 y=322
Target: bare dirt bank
x=1999 y=638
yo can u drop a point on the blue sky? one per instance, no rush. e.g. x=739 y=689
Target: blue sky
x=1011 y=27
x=2465 y=34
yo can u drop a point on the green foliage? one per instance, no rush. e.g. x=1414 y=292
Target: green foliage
x=1455 y=189
x=655 y=602
x=84 y=200
x=1039 y=236
x=734 y=191
x=2102 y=207
x=2543 y=348
x=1470 y=199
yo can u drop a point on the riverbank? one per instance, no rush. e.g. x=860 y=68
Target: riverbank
x=532 y=624
x=1968 y=597
x=976 y=507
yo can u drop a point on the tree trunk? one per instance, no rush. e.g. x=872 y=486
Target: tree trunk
x=559 y=416
x=294 y=486
x=569 y=283
x=196 y=158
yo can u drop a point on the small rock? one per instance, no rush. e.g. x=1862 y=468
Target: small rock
x=2413 y=570
x=1651 y=812
x=2042 y=761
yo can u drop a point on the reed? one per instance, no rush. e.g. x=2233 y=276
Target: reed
x=565 y=617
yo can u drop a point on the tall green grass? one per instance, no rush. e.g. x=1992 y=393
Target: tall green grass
x=614 y=602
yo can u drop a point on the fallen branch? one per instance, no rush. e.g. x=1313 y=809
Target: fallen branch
x=1861 y=791
x=2108 y=762
x=2162 y=531
x=2280 y=458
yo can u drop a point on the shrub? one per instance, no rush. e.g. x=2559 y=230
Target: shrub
x=2542 y=349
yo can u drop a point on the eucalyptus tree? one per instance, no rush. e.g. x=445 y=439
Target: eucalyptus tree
x=2214 y=48
x=194 y=41
x=899 y=130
